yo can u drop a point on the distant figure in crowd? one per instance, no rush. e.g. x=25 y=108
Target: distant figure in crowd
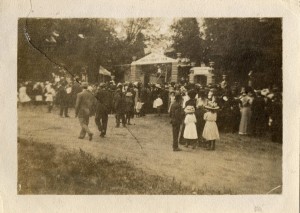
x=245 y=108
x=176 y=114
x=276 y=119
x=171 y=100
x=210 y=131
x=84 y=108
x=38 y=93
x=190 y=130
x=129 y=109
x=138 y=107
x=62 y=100
x=202 y=101
x=157 y=104
x=258 y=115
x=23 y=97
x=120 y=106
x=50 y=94
x=104 y=103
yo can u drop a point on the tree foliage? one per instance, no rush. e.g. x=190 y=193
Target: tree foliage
x=73 y=44
x=238 y=45
x=187 y=39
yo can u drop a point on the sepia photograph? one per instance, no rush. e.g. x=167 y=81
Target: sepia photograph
x=150 y=106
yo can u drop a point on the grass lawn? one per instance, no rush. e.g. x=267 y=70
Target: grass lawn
x=42 y=169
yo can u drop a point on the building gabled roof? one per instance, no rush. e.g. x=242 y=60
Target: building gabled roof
x=154 y=58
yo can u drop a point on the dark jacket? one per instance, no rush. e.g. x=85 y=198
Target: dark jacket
x=104 y=101
x=176 y=113
x=85 y=104
x=61 y=96
x=119 y=102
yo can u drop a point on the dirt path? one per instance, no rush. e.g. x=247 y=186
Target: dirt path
x=240 y=165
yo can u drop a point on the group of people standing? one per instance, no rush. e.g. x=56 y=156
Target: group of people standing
x=196 y=120
x=241 y=110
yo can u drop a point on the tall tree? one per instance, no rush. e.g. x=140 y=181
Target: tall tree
x=187 y=39
x=238 y=45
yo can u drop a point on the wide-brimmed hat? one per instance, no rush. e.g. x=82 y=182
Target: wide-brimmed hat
x=102 y=85
x=157 y=86
x=265 y=92
x=128 y=94
x=189 y=109
x=212 y=105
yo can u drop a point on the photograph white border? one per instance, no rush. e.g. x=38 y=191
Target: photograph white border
x=11 y=10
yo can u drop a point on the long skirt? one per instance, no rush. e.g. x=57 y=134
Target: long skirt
x=244 y=128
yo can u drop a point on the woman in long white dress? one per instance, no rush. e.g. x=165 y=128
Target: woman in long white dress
x=23 y=97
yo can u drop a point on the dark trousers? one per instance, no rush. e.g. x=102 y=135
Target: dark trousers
x=175 y=130
x=181 y=139
x=101 y=121
x=63 y=110
x=50 y=106
x=158 y=109
x=128 y=116
x=143 y=109
x=119 y=117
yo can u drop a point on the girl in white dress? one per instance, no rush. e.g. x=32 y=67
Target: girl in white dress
x=190 y=130
x=210 y=131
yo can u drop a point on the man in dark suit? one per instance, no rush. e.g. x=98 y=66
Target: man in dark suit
x=104 y=103
x=84 y=109
x=176 y=114
x=62 y=99
x=120 y=106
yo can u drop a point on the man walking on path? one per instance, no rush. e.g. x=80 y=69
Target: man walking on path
x=104 y=103
x=84 y=109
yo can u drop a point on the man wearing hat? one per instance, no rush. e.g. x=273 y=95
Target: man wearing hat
x=84 y=109
x=120 y=106
x=104 y=103
x=176 y=114
x=62 y=99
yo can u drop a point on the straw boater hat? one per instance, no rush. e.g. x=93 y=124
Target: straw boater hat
x=212 y=105
x=189 y=109
x=128 y=94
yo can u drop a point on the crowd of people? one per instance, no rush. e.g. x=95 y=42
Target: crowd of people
x=198 y=112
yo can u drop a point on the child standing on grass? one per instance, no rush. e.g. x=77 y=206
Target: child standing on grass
x=210 y=131
x=190 y=130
